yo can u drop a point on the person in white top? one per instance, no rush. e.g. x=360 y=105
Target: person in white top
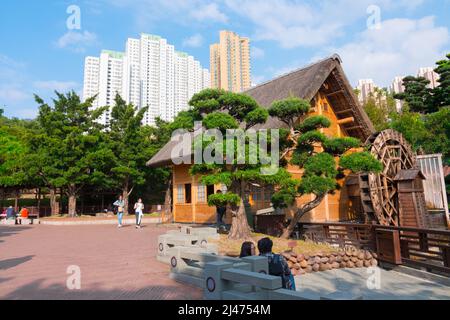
x=139 y=211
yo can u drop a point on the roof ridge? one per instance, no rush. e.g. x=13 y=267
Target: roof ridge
x=334 y=56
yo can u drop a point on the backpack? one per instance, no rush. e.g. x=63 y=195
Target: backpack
x=276 y=269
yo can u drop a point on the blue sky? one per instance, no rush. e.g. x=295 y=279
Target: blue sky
x=38 y=53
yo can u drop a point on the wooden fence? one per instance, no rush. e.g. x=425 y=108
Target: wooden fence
x=415 y=247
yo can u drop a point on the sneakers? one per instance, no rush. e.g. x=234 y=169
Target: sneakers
x=119 y=226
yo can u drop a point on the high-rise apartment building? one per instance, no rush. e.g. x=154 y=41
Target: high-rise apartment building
x=149 y=73
x=429 y=74
x=366 y=88
x=230 y=63
x=398 y=87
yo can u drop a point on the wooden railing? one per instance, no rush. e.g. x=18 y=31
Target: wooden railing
x=424 y=248
x=341 y=234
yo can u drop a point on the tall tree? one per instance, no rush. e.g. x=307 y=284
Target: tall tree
x=417 y=95
x=130 y=145
x=225 y=110
x=442 y=92
x=379 y=107
x=71 y=145
x=322 y=159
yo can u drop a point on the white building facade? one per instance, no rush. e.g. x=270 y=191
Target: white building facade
x=152 y=74
x=366 y=87
x=398 y=87
x=429 y=74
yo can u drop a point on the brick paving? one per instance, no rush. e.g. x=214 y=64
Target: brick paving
x=114 y=263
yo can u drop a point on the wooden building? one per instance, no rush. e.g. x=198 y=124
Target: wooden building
x=325 y=85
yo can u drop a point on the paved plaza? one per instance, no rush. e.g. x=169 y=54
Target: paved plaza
x=362 y=283
x=114 y=263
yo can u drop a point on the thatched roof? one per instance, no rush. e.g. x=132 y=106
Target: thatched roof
x=326 y=77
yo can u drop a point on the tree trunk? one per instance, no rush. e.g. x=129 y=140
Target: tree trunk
x=16 y=200
x=299 y=214
x=240 y=229
x=125 y=195
x=54 y=204
x=72 y=205
x=168 y=214
x=72 y=195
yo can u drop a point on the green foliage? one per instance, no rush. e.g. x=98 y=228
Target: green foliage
x=379 y=108
x=360 y=162
x=318 y=185
x=258 y=115
x=412 y=126
x=417 y=95
x=321 y=164
x=221 y=121
x=223 y=199
x=311 y=137
x=314 y=123
x=289 y=110
x=442 y=92
x=437 y=139
x=337 y=146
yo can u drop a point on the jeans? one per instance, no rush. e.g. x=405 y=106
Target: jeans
x=138 y=218
x=120 y=216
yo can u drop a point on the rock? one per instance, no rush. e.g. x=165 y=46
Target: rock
x=345 y=258
x=293 y=259
x=367 y=263
x=350 y=264
x=374 y=255
x=338 y=259
x=324 y=267
x=342 y=253
x=304 y=264
x=308 y=269
x=301 y=272
x=324 y=260
x=354 y=259
x=361 y=256
x=367 y=255
x=373 y=262
x=300 y=257
x=286 y=255
x=335 y=265
x=359 y=264
x=319 y=254
x=316 y=267
x=355 y=253
x=342 y=265
x=332 y=259
x=311 y=262
x=293 y=254
x=307 y=257
x=297 y=266
x=290 y=264
x=317 y=259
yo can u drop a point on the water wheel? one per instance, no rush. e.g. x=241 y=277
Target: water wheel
x=379 y=194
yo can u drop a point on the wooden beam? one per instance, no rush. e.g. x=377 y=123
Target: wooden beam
x=344 y=111
x=346 y=120
x=334 y=93
x=353 y=128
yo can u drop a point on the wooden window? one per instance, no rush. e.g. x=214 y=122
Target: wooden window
x=201 y=193
x=180 y=193
x=188 y=192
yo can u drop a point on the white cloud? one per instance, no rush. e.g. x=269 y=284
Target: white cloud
x=257 y=53
x=400 y=47
x=77 y=41
x=53 y=85
x=209 y=12
x=294 y=23
x=194 y=41
x=256 y=80
x=12 y=94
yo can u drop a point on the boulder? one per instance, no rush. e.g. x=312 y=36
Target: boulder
x=304 y=264
x=350 y=264
x=297 y=266
x=308 y=269
x=315 y=267
x=373 y=262
x=359 y=264
x=300 y=257
x=324 y=260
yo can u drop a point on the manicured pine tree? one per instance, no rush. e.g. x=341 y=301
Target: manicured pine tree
x=323 y=159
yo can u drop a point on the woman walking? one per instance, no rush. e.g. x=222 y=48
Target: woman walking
x=139 y=211
x=119 y=204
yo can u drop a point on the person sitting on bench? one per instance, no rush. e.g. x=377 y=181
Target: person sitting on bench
x=23 y=214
